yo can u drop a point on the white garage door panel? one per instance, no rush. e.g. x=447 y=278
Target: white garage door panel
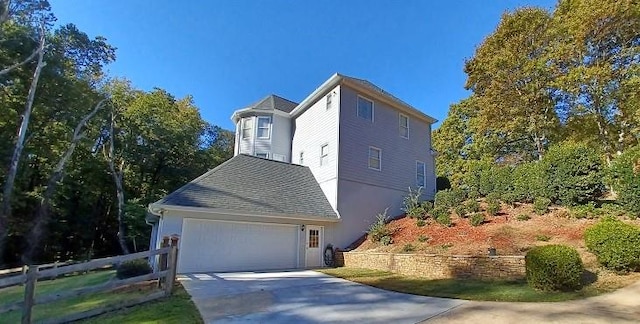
x=209 y=245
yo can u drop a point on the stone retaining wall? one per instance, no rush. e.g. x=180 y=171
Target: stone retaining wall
x=435 y=266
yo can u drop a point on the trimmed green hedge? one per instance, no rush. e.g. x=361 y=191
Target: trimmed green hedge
x=625 y=177
x=615 y=243
x=554 y=267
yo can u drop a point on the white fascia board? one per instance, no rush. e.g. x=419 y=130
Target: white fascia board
x=159 y=208
x=331 y=83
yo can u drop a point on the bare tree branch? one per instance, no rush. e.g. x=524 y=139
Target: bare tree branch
x=42 y=215
x=117 y=178
x=33 y=55
x=7 y=193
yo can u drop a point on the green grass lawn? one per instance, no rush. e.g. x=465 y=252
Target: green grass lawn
x=511 y=291
x=165 y=310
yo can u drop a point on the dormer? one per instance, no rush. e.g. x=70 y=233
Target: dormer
x=263 y=129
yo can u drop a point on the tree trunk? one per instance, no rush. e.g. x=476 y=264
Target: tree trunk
x=7 y=193
x=42 y=214
x=117 y=178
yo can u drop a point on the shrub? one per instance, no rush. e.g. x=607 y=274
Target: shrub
x=413 y=206
x=493 y=205
x=615 y=244
x=575 y=173
x=386 y=240
x=509 y=198
x=421 y=222
x=523 y=217
x=554 y=267
x=476 y=219
x=584 y=211
x=541 y=205
x=408 y=248
x=379 y=230
x=472 y=206
x=449 y=198
x=543 y=237
x=444 y=220
x=423 y=238
x=529 y=181
x=438 y=212
x=485 y=177
x=624 y=175
x=461 y=211
x=133 y=268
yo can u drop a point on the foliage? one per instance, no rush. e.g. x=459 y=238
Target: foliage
x=624 y=175
x=476 y=219
x=421 y=222
x=523 y=217
x=386 y=240
x=442 y=183
x=575 y=173
x=133 y=268
x=472 y=206
x=554 y=267
x=379 y=231
x=444 y=219
x=493 y=205
x=414 y=207
x=541 y=79
x=615 y=243
x=461 y=210
x=449 y=198
x=530 y=181
x=407 y=248
x=543 y=237
x=423 y=238
x=541 y=205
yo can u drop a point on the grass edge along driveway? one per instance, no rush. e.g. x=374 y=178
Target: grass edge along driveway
x=481 y=290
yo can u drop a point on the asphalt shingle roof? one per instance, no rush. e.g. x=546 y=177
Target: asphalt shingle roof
x=251 y=184
x=273 y=102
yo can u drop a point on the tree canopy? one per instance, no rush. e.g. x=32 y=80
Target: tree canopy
x=159 y=141
x=546 y=77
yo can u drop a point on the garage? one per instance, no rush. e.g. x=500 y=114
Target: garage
x=222 y=246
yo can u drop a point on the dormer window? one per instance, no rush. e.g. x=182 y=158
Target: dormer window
x=247 y=126
x=264 y=127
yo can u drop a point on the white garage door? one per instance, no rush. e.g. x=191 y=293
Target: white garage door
x=209 y=245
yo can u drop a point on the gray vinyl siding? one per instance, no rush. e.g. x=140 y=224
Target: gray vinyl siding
x=281 y=137
x=315 y=127
x=399 y=154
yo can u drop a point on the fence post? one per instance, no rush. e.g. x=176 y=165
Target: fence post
x=29 y=293
x=171 y=275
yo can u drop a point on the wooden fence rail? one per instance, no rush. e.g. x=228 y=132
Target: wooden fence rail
x=165 y=275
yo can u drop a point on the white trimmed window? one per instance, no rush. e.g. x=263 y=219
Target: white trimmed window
x=365 y=108
x=264 y=127
x=324 y=154
x=403 y=121
x=420 y=174
x=263 y=155
x=301 y=158
x=329 y=100
x=375 y=158
x=247 y=125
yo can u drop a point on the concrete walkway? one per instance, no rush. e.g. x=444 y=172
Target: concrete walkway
x=312 y=297
x=303 y=297
x=621 y=306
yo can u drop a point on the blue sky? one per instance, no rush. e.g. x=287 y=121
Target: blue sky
x=228 y=54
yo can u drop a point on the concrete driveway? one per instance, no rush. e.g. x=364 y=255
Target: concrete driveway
x=304 y=297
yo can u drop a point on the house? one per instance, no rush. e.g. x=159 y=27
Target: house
x=304 y=175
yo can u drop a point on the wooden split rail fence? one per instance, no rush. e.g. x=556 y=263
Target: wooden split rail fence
x=165 y=274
